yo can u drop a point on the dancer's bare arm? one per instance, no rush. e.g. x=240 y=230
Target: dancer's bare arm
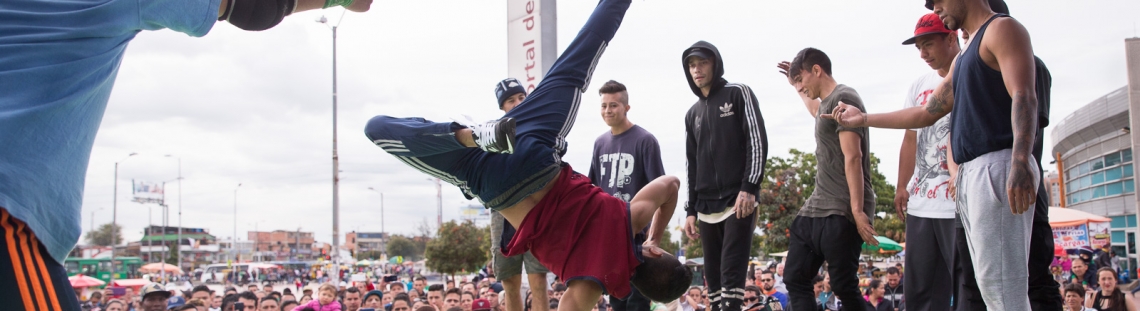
x=811 y=104
x=1011 y=48
x=653 y=206
x=906 y=171
x=939 y=105
x=305 y=5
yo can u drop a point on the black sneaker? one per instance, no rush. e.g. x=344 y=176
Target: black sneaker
x=496 y=136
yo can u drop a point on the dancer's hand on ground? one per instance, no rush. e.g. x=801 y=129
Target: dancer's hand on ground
x=1020 y=186
x=691 y=228
x=901 y=198
x=847 y=115
x=651 y=250
x=745 y=204
x=866 y=231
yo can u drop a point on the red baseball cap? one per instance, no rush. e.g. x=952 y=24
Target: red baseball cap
x=927 y=25
x=480 y=304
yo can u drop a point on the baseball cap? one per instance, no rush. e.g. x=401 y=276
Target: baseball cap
x=480 y=304
x=927 y=25
x=507 y=88
x=155 y=289
x=175 y=301
x=497 y=287
x=998 y=6
x=698 y=52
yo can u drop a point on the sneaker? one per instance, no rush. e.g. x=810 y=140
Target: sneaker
x=496 y=136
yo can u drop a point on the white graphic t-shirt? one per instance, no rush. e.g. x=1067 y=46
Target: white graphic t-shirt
x=929 y=187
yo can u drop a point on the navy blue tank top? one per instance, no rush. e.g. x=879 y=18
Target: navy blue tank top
x=981 y=121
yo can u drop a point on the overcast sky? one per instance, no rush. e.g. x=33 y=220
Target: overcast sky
x=254 y=107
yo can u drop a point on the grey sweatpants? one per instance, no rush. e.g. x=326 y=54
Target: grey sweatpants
x=998 y=239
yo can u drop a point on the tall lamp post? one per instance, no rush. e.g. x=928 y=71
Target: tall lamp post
x=383 y=242
x=335 y=159
x=115 y=216
x=93 y=221
x=438 y=201
x=233 y=245
x=179 y=209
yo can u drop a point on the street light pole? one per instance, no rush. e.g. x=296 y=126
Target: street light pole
x=93 y=219
x=162 y=260
x=383 y=241
x=335 y=158
x=233 y=245
x=179 y=211
x=438 y=202
x=115 y=217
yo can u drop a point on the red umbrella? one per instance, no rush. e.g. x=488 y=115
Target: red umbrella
x=81 y=281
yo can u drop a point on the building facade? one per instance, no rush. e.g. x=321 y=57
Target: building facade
x=359 y=242
x=1093 y=150
x=1053 y=187
x=197 y=244
x=281 y=245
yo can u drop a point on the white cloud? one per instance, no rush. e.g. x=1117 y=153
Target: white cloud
x=254 y=107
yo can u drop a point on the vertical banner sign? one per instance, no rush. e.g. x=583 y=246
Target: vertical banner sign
x=1098 y=234
x=147 y=192
x=531 y=40
x=1071 y=237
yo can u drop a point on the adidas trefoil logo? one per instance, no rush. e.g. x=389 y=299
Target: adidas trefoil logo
x=726 y=110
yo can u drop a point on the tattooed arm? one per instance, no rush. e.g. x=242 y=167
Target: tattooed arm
x=938 y=106
x=1013 y=53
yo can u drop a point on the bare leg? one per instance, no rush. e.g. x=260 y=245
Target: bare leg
x=465 y=137
x=538 y=289
x=512 y=292
x=581 y=295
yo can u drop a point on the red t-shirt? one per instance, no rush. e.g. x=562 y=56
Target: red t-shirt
x=580 y=232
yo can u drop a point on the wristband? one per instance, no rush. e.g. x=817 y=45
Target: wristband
x=332 y=3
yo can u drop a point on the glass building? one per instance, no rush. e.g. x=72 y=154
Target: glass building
x=1093 y=151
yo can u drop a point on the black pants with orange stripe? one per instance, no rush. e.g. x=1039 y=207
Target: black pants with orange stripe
x=29 y=278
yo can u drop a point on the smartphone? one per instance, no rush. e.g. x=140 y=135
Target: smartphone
x=239 y=306
x=118 y=291
x=390 y=278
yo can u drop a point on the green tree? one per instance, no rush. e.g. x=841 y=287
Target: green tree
x=399 y=245
x=102 y=236
x=757 y=245
x=789 y=182
x=780 y=199
x=457 y=248
x=667 y=243
x=889 y=225
x=693 y=248
x=374 y=254
x=173 y=258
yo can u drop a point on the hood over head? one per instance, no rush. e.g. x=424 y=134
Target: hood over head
x=704 y=49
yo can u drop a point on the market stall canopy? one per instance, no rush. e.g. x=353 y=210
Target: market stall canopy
x=1060 y=217
x=81 y=281
x=364 y=263
x=159 y=267
x=132 y=283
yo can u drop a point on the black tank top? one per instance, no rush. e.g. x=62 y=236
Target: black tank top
x=1098 y=303
x=981 y=122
